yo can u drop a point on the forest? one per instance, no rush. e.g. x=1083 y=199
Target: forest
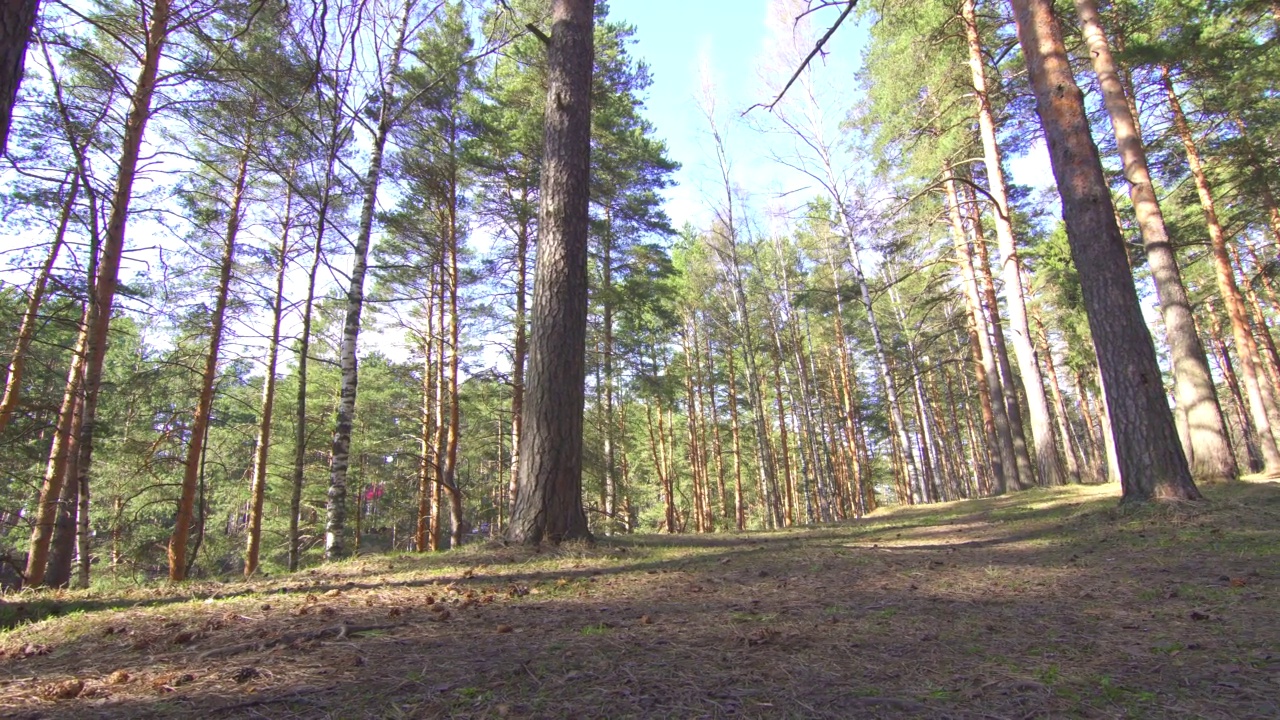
x=269 y=275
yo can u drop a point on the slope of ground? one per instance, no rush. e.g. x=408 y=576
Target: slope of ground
x=1051 y=603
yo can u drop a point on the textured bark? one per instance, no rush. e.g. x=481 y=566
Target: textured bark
x=1204 y=430
x=1262 y=405
x=1150 y=458
x=108 y=269
x=204 y=406
x=27 y=327
x=17 y=19
x=1048 y=462
x=339 y=460
x=549 y=502
x=262 y=449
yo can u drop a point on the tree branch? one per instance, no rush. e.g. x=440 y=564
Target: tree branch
x=817 y=48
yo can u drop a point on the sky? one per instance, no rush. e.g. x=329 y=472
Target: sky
x=684 y=40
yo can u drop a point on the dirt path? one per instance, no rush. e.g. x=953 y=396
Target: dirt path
x=1045 y=604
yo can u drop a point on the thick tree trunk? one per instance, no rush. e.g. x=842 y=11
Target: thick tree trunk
x=17 y=19
x=1150 y=458
x=108 y=272
x=339 y=460
x=549 y=501
x=204 y=406
x=1204 y=430
x=262 y=450
x=1048 y=463
x=27 y=327
x=1262 y=405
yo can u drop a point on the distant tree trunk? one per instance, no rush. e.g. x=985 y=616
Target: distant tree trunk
x=336 y=507
x=262 y=450
x=27 y=327
x=1151 y=462
x=848 y=408
x=1259 y=393
x=1048 y=462
x=995 y=417
x=17 y=18
x=428 y=462
x=549 y=501
x=1060 y=406
x=204 y=406
x=897 y=426
x=1248 y=433
x=1021 y=474
x=108 y=268
x=449 y=477
x=1204 y=431
x=519 y=352
x=739 y=508
x=304 y=356
x=717 y=448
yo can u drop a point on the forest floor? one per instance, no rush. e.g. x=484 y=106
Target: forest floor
x=1048 y=603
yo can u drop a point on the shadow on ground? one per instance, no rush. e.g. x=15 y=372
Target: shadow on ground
x=1043 y=604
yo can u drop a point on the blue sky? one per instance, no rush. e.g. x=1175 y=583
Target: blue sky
x=679 y=38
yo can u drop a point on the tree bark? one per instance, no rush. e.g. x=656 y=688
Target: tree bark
x=1262 y=405
x=1150 y=458
x=1021 y=474
x=1060 y=407
x=27 y=327
x=1204 y=430
x=1048 y=463
x=60 y=454
x=204 y=406
x=339 y=461
x=995 y=417
x=108 y=270
x=549 y=502
x=262 y=450
x=17 y=19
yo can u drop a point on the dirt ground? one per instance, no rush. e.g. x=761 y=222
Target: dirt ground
x=1041 y=604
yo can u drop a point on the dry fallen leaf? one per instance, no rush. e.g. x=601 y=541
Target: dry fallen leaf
x=505 y=628
x=64 y=690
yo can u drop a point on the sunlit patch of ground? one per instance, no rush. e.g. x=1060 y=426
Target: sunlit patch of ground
x=1051 y=603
